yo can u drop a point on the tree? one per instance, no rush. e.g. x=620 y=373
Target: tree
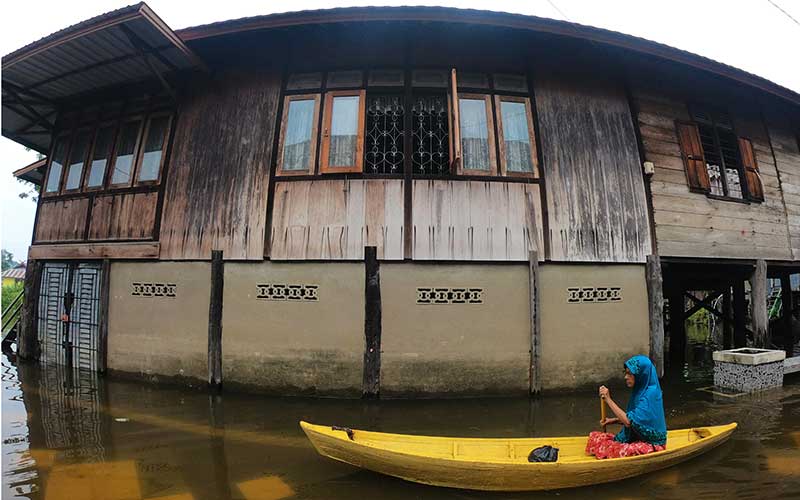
x=8 y=260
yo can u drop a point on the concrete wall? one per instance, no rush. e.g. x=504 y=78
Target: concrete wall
x=152 y=335
x=587 y=342
x=455 y=348
x=294 y=346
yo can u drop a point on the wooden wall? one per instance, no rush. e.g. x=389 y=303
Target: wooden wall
x=336 y=219
x=216 y=189
x=61 y=220
x=787 y=156
x=128 y=216
x=475 y=220
x=691 y=224
x=596 y=205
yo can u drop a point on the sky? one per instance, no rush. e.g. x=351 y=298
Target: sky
x=753 y=35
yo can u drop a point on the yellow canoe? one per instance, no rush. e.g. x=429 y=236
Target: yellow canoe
x=500 y=464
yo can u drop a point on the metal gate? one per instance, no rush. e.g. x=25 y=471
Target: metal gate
x=69 y=312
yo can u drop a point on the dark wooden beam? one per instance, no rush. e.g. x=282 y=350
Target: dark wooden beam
x=105 y=290
x=727 y=337
x=786 y=320
x=758 y=295
x=533 y=282
x=655 y=305
x=739 y=315
x=371 y=384
x=89 y=251
x=677 y=326
x=215 y=320
x=27 y=338
x=145 y=52
x=703 y=304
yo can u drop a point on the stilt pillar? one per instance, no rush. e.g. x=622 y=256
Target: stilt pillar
x=787 y=307
x=677 y=325
x=739 y=315
x=371 y=383
x=215 y=320
x=27 y=338
x=655 y=303
x=758 y=296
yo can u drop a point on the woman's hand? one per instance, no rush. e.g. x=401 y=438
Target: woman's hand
x=604 y=392
x=608 y=421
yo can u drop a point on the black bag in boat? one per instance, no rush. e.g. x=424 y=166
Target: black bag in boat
x=544 y=454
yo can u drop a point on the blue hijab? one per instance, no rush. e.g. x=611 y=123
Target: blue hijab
x=646 y=407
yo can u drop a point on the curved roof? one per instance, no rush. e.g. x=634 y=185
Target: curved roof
x=487 y=18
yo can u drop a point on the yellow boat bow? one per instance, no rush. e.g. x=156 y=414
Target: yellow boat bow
x=500 y=464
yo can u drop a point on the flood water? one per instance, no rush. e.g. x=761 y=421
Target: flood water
x=82 y=437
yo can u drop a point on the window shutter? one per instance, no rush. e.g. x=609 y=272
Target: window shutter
x=455 y=124
x=693 y=160
x=755 y=191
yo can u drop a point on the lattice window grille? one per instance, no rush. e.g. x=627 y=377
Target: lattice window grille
x=154 y=289
x=437 y=295
x=602 y=294
x=384 y=135
x=287 y=292
x=430 y=135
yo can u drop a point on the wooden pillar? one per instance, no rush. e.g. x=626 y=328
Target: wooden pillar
x=786 y=320
x=533 y=281
x=727 y=312
x=371 y=384
x=215 y=320
x=739 y=315
x=677 y=325
x=27 y=338
x=758 y=297
x=655 y=302
x=105 y=285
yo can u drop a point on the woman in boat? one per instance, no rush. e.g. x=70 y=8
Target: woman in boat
x=644 y=429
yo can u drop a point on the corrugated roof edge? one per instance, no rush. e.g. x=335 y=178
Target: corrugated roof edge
x=475 y=16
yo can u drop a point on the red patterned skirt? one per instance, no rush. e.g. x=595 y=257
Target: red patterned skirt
x=602 y=445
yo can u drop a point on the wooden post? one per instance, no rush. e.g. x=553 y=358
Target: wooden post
x=371 y=384
x=533 y=282
x=105 y=291
x=786 y=320
x=739 y=314
x=727 y=339
x=655 y=302
x=27 y=338
x=215 y=320
x=758 y=297
x=677 y=326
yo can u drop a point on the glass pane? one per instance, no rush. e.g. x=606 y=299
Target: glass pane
x=430 y=133
x=102 y=149
x=153 y=148
x=474 y=134
x=77 y=157
x=56 y=166
x=516 y=136
x=126 y=148
x=297 y=141
x=344 y=131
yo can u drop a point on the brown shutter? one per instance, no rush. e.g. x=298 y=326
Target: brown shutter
x=755 y=191
x=693 y=160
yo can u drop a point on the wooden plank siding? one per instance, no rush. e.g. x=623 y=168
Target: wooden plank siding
x=336 y=219
x=787 y=158
x=128 y=216
x=692 y=224
x=596 y=205
x=61 y=220
x=475 y=220
x=216 y=189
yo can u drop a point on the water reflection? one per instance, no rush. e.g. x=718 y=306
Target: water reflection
x=76 y=435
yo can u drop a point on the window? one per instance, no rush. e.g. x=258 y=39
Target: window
x=515 y=135
x=477 y=135
x=298 y=142
x=153 y=155
x=56 y=165
x=127 y=144
x=101 y=152
x=342 y=136
x=77 y=159
x=384 y=134
x=430 y=135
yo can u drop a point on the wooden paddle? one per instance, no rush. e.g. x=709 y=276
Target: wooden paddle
x=603 y=412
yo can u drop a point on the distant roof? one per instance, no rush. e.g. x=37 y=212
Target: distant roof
x=488 y=18
x=128 y=45
x=32 y=173
x=17 y=273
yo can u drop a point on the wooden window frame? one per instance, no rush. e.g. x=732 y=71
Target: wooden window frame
x=114 y=125
x=75 y=133
x=311 y=167
x=110 y=186
x=64 y=136
x=534 y=174
x=327 y=118
x=723 y=167
x=142 y=141
x=490 y=125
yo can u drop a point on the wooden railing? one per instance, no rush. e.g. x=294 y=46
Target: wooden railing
x=10 y=318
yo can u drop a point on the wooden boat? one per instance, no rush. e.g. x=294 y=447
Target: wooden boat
x=500 y=464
